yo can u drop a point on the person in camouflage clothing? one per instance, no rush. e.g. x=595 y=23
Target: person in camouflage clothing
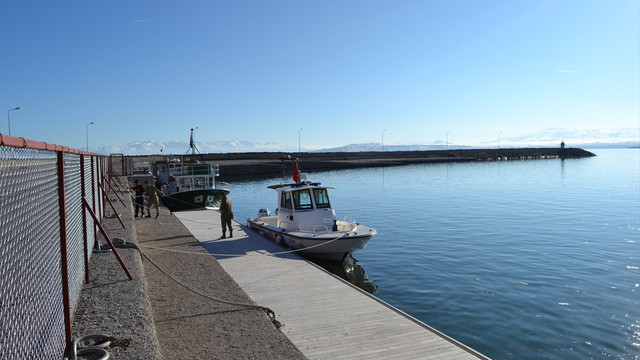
x=226 y=215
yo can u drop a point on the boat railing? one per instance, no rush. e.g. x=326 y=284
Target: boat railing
x=348 y=223
x=349 y=219
x=313 y=228
x=222 y=185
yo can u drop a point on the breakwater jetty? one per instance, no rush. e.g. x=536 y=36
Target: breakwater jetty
x=270 y=163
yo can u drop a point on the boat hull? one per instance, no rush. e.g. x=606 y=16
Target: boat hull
x=326 y=246
x=194 y=199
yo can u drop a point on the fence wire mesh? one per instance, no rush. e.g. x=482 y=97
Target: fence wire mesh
x=32 y=306
x=75 y=236
x=90 y=176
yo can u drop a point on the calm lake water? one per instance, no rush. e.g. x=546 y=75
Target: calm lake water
x=530 y=259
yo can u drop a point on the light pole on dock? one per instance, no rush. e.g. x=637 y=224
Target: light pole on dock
x=87 y=135
x=448 y=139
x=499 y=139
x=9 y=117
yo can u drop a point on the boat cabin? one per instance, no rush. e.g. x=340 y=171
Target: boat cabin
x=304 y=206
x=180 y=177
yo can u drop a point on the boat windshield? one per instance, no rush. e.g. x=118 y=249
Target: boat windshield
x=285 y=200
x=302 y=199
x=322 y=198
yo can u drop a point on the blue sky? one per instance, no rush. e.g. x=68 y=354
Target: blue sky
x=343 y=71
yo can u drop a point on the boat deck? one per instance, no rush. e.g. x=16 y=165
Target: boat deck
x=324 y=316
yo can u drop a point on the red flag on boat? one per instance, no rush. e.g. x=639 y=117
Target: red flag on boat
x=296 y=174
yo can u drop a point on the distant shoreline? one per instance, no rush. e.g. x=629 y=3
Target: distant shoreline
x=269 y=163
x=264 y=164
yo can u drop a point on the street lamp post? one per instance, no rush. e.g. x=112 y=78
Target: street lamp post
x=9 y=117
x=383 y=140
x=448 y=139
x=499 y=139
x=299 y=141
x=87 y=135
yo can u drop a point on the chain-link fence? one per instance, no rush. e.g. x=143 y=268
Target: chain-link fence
x=46 y=240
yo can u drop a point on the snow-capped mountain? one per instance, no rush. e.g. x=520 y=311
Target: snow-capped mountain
x=576 y=138
x=182 y=147
x=550 y=137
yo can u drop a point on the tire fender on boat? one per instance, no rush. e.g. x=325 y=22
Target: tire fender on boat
x=279 y=239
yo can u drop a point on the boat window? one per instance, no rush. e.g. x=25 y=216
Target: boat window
x=285 y=200
x=175 y=169
x=185 y=183
x=322 y=198
x=199 y=182
x=302 y=199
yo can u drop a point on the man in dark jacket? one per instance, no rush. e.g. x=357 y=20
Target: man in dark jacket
x=139 y=199
x=226 y=215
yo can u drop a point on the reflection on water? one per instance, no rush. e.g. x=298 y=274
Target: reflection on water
x=350 y=271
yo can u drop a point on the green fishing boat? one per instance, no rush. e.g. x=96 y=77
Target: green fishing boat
x=189 y=183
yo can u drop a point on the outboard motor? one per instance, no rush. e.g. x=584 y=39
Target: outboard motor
x=263 y=212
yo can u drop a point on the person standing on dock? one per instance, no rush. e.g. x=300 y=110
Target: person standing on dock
x=152 y=195
x=226 y=215
x=139 y=199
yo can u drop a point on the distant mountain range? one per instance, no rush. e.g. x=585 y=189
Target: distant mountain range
x=182 y=147
x=551 y=137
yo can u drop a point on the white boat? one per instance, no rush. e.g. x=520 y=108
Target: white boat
x=305 y=222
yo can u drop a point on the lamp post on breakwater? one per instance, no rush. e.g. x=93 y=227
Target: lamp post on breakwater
x=299 y=131
x=9 y=117
x=383 y=140
x=87 y=136
x=499 y=139
x=448 y=139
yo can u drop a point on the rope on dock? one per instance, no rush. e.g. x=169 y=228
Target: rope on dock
x=98 y=348
x=262 y=252
x=270 y=313
x=304 y=248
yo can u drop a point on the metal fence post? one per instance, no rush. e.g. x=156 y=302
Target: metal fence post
x=102 y=196
x=93 y=195
x=83 y=193
x=64 y=251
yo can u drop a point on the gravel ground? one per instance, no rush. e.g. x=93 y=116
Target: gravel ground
x=113 y=305
x=162 y=318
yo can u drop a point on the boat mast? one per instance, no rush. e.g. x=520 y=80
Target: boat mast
x=192 y=145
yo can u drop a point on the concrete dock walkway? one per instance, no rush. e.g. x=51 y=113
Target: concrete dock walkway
x=188 y=325
x=324 y=316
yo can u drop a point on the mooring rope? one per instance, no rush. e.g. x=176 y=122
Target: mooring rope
x=262 y=252
x=305 y=248
x=270 y=313
x=99 y=347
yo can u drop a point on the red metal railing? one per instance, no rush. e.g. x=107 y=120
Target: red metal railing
x=49 y=194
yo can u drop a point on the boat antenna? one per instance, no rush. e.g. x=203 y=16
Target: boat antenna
x=192 y=145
